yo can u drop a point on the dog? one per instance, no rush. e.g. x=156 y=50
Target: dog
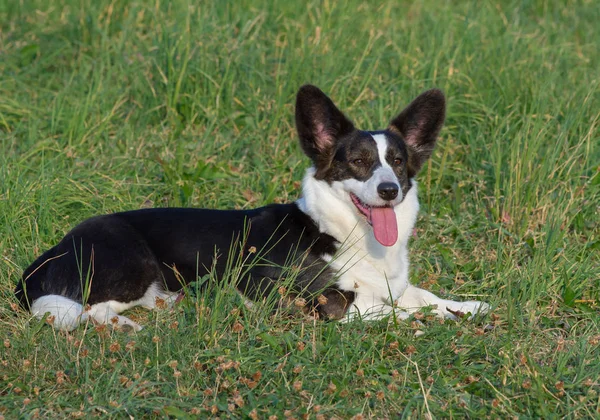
x=341 y=247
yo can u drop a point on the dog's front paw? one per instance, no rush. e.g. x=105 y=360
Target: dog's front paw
x=458 y=310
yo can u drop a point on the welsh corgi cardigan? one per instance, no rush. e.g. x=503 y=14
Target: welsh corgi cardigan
x=346 y=237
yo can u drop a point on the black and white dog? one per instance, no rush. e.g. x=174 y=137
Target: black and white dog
x=346 y=238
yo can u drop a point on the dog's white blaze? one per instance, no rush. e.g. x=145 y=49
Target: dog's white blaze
x=384 y=173
x=382 y=146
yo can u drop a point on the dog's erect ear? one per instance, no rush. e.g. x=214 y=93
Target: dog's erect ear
x=319 y=124
x=419 y=124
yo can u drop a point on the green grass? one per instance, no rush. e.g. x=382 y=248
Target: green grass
x=114 y=105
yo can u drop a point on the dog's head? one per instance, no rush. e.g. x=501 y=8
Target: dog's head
x=371 y=169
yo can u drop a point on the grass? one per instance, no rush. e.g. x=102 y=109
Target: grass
x=114 y=105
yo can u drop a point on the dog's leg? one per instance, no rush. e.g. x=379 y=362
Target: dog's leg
x=156 y=294
x=108 y=313
x=67 y=313
x=414 y=298
x=368 y=308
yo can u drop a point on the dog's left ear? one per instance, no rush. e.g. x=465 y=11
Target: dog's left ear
x=320 y=124
x=419 y=124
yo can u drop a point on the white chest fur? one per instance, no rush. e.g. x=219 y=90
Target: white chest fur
x=376 y=273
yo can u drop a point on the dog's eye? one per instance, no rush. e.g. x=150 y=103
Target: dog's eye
x=397 y=161
x=359 y=162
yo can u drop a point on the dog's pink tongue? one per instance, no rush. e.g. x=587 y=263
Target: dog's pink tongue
x=384 y=224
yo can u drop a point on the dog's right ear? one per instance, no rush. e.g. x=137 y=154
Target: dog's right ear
x=319 y=124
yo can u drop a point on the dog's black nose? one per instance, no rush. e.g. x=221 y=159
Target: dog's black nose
x=387 y=190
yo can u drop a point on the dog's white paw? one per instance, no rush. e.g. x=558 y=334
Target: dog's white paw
x=401 y=315
x=457 y=310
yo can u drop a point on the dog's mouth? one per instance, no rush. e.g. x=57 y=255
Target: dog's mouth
x=381 y=218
